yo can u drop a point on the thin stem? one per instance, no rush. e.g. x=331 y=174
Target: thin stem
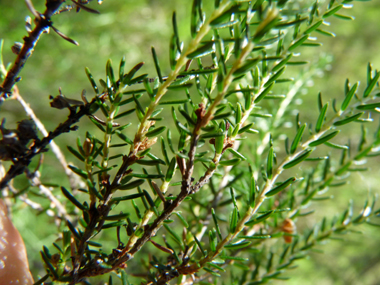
x=194 y=44
x=145 y=123
x=227 y=82
x=42 y=23
x=259 y=199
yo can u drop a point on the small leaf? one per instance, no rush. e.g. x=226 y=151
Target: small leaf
x=138 y=79
x=121 y=69
x=175 y=86
x=274 y=77
x=219 y=144
x=259 y=219
x=368 y=106
x=313 y=27
x=247 y=66
x=187 y=116
x=114 y=224
x=238 y=114
x=216 y=223
x=332 y=11
x=216 y=266
x=324 y=139
x=147 y=176
x=157 y=65
x=162 y=248
x=173 y=234
x=298 y=159
x=298 y=43
x=337 y=146
x=237 y=154
x=344 y=17
x=233 y=161
x=247 y=129
x=96 y=123
x=363 y=153
x=282 y=63
x=149 y=199
x=140 y=111
x=202 y=51
x=182 y=219
x=297 y=139
x=132 y=185
x=233 y=220
x=116 y=217
x=270 y=161
x=49 y=265
x=155 y=132
x=211 y=272
x=171 y=169
x=194 y=19
x=237 y=245
x=110 y=73
x=78 y=171
x=169 y=138
x=72 y=199
x=128 y=197
x=280 y=187
x=252 y=192
x=199 y=245
x=75 y=152
x=264 y=93
x=255 y=237
x=172 y=102
x=321 y=118
x=73 y=230
x=348 y=120
x=126 y=113
x=92 y=81
x=63 y=36
x=92 y=189
x=164 y=151
x=212 y=135
x=175 y=28
x=326 y=33
x=348 y=97
x=344 y=168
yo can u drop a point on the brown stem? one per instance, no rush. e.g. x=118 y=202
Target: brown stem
x=128 y=253
x=42 y=23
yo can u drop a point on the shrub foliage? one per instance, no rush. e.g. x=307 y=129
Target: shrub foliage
x=210 y=181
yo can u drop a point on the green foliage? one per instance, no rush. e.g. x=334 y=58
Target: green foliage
x=226 y=84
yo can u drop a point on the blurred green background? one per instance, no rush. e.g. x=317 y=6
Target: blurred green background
x=130 y=28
